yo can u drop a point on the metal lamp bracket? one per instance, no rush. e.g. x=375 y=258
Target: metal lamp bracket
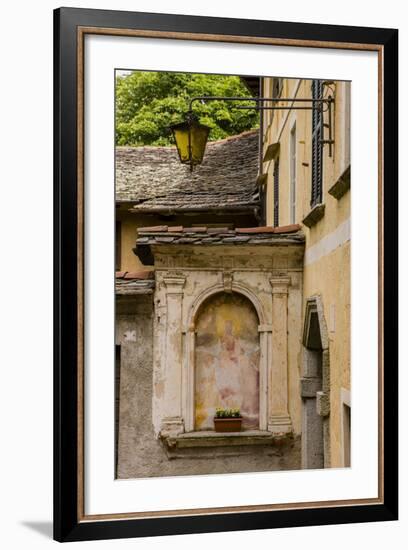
x=275 y=104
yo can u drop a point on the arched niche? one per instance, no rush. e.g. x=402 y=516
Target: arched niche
x=226 y=359
x=264 y=336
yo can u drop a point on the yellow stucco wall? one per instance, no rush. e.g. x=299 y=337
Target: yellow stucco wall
x=327 y=252
x=130 y=223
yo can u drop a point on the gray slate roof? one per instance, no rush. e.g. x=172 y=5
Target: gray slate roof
x=164 y=235
x=155 y=181
x=140 y=282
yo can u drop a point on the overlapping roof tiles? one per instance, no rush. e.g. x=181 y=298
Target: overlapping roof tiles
x=166 y=235
x=154 y=180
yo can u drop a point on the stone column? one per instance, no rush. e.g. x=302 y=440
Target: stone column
x=172 y=423
x=279 y=421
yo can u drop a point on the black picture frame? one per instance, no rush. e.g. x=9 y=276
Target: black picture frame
x=68 y=525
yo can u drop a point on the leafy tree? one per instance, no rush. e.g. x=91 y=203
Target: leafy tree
x=147 y=103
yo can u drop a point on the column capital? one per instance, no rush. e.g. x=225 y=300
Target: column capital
x=280 y=284
x=174 y=285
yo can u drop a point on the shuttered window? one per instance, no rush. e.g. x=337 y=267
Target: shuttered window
x=276 y=192
x=317 y=146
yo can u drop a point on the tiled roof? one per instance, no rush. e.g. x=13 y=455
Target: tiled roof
x=134 y=282
x=289 y=234
x=155 y=181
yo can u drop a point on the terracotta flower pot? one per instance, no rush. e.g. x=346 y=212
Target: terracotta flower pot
x=228 y=424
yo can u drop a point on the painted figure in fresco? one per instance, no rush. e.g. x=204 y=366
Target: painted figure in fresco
x=227 y=360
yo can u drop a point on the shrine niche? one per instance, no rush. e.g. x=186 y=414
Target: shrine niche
x=223 y=307
x=226 y=360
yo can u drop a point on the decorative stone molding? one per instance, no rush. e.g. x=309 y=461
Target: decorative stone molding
x=227 y=280
x=314 y=304
x=182 y=290
x=315 y=215
x=265 y=348
x=280 y=285
x=172 y=423
x=280 y=424
x=172 y=427
x=342 y=185
x=174 y=285
x=279 y=419
x=265 y=328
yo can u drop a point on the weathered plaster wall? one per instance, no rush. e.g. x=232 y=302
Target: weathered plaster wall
x=134 y=335
x=227 y=360
x=268 y=276
x=140 y=453
x=131 y=222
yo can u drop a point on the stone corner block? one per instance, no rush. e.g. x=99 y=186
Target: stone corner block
x=171 y=428
x=322 y=403
x=310 y=386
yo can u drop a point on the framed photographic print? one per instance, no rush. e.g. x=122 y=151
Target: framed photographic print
x=225 y=274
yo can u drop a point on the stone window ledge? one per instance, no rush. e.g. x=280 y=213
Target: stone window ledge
x=226 y=439
x=342 y=185
x=315 y=215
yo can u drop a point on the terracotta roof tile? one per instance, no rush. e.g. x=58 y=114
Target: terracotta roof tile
x=265 y=229
x=154 y=228
x=195 y=229
x=287 y=228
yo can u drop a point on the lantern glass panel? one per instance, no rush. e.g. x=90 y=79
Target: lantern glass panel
x=199 y=136
x=191 y=139
x=181 y=137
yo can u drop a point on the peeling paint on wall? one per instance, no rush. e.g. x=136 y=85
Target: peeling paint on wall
x=227 y=360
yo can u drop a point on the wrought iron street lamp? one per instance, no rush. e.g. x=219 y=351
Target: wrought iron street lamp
x=191 y=138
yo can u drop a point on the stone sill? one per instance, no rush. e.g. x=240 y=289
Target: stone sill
x=315 y=215
x=342 y=185
x=225 y=439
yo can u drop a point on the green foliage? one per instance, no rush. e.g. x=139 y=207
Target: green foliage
x=227 y=413
x=147 y=103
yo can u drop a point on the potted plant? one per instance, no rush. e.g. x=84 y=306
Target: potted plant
x=227 y=420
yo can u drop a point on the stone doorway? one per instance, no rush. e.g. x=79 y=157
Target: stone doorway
x=314 y=388
x=227 y=353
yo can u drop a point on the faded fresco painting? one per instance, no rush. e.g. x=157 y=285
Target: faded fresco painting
x=227 y=360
